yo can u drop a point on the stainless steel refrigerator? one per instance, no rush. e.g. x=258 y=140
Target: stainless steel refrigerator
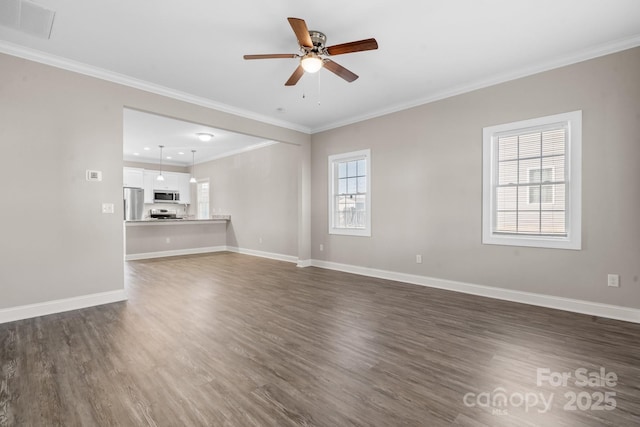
x=133 y=203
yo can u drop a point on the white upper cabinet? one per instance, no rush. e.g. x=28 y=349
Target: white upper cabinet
x=184 y=187
x=133 y=177
x=149 y=181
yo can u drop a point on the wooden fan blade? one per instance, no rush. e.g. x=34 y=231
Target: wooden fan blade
x=302 y=32
x=271 y=56
x=339 y=70
x=359 y=46
x=297 y=74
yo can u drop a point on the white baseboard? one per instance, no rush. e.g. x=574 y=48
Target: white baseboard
x=302 y=263
x=177 y=252
x=261 y=254
x=58 y=306
x=560 y=303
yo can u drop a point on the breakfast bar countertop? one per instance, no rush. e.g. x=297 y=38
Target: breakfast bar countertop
x=215 y=219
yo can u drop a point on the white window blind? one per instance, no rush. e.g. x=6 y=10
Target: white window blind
x=532 y=182
x=530 y=192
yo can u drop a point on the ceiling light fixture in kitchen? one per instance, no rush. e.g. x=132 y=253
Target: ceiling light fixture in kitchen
x=193 y=163
x=204 y=137
x=160 y=177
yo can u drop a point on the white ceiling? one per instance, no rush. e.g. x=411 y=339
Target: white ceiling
x=145 y=132
x=429 y=49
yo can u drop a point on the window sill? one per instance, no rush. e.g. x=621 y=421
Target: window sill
x=350 y=232
x=533 y=241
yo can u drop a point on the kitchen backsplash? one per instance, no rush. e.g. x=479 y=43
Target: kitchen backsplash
x=181 y=209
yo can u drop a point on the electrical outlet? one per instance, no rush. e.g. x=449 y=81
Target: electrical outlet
x=418 y=259
x=260 y=240
x=613 y=280
x=321 y=247
x=107 y=208
x=168 y=240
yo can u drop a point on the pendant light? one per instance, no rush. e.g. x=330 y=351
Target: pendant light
x=160 y=177
x=193 y=163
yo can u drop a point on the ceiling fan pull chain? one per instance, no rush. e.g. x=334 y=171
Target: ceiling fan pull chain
x=319 y=77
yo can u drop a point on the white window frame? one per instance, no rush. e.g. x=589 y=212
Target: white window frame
x=198 y=201
x=333 y=185
x=573 y=160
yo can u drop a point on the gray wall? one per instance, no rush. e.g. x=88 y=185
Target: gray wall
x=259 y=189
x=55 y=124
x=427 y=185
x=150 y=238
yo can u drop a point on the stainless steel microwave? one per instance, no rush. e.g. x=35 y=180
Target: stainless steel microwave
x=166 y=196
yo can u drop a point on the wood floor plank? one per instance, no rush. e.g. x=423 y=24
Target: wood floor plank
x=233 y=340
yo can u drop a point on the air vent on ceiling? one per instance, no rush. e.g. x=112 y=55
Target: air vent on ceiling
x=27 y=17
x=9 y=13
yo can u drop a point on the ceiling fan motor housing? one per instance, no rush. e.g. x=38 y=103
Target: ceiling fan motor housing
x=318 y=39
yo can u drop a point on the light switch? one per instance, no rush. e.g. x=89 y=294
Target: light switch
x=107 y=208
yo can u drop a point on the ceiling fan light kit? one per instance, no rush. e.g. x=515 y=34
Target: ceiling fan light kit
x=311 y=62
x=313 y=53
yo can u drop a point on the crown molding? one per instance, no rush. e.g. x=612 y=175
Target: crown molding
x=148 y=161
x=100 y=73
x=238 y=151
x=558 y=62
x=81 y=68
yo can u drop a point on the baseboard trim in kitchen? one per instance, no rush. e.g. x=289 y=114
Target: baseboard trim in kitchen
x=177 y=252
x=567 y=304
x=261 y=254
x=58 y=306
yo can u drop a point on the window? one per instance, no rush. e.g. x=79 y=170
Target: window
x=202 y=197
x=350 y=193
x=531 y=182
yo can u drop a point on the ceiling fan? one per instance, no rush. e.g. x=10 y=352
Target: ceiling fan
x=313 y=52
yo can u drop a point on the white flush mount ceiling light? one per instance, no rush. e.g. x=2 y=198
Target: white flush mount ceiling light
x=193 y=163
x=204 y=137
x=160 y=177
x=311 y=62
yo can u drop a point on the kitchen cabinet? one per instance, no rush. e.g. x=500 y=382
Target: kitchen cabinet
x=133 y=177
x=171 y=181
x=184 y=186
x=149 y=181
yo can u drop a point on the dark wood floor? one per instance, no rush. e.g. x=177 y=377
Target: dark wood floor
x=233 y=340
